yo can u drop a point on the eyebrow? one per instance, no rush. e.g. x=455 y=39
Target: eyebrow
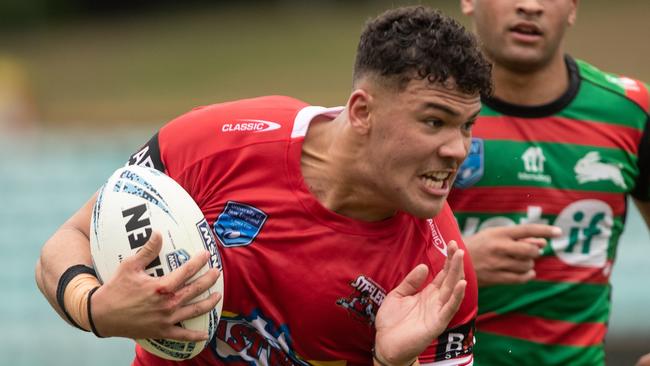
x=475 y=115
x=446 y=109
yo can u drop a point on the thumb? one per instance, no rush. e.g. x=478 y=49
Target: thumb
x=413 y=281
x=149 y=251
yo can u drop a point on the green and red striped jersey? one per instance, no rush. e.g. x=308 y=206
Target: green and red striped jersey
x=570 y=163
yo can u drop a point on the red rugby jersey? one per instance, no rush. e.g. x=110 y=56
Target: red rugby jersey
x=302 y=283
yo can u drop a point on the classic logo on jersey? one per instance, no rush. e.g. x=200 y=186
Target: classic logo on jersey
x=533 y=159
x=471 y=171
x=438 y=240
x=255 y=340
x=591 y=168
x=456 y=342
x=250 y=125
x=587 y=227
x=239 y=224
x=209 y=242
x=176 y=258
x=364 y=301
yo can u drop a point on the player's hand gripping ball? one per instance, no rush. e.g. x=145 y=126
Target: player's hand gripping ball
x=134 y=202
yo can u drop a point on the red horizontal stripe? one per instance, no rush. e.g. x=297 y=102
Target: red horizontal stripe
x=559 y=130
x=545 y=331
x=498 y=200
x=555 y=270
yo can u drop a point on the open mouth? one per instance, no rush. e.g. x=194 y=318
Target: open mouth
x=436 y=180
x=527 y=29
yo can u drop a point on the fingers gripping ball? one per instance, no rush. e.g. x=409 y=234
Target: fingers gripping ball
x=134 y=202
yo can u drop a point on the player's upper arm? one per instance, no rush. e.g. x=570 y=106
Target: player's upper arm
x=80 y=220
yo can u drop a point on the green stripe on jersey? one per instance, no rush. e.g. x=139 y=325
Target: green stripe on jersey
x=498 y=172
x=504 y=351
x=626 y=113
x=486 y=111
x=572 y=302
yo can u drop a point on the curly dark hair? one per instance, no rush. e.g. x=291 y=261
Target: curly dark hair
x=419 y=42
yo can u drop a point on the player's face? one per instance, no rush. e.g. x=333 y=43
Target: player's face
x=521 y=35
x=418 y=139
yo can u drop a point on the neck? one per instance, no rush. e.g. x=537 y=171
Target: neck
x=332 y=157
x=531 y=88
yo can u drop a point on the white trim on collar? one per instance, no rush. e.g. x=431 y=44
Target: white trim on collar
x=307 y=114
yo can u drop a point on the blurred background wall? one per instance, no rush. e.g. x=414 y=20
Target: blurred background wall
x=84 y=83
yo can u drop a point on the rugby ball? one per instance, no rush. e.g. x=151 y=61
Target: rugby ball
x=133 y=203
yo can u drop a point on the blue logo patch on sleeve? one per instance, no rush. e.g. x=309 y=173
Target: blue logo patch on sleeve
x=239 y=224
x=472 y=169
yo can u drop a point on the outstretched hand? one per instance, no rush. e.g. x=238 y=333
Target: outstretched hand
x=408 y=321
x=135 y=305
x=506 y=255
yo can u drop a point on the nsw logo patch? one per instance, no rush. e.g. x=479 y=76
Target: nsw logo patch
x=177 y=258
x=239 y=224
x=472 y=169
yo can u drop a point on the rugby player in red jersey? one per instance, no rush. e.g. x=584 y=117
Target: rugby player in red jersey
x=338 y=246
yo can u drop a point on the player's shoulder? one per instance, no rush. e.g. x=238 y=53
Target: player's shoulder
x=228 y=114
x=234 y=123
x=209 y=132
x=634 y=90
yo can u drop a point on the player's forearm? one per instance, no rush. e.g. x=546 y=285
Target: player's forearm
x=66 y=248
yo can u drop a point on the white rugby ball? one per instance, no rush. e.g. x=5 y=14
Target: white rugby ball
x=133 y=203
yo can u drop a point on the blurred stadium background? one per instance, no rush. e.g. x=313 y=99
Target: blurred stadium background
x=84 y=83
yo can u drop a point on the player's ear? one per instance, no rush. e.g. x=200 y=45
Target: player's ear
x=467 y=7
x=573 y=13
x=359 y=105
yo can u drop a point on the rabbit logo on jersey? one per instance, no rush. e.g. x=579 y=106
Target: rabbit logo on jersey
x=471 y=171
x=593 y=168
x=254 y=339
x=239 y=224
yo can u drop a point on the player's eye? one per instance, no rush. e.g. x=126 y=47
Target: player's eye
x=467 y=126
x=434 y=122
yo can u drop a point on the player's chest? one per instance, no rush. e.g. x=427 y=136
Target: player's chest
x=293 y=283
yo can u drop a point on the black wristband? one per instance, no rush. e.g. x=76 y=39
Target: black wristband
x=66 y=277
x=90 y=314
x=374 y=357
